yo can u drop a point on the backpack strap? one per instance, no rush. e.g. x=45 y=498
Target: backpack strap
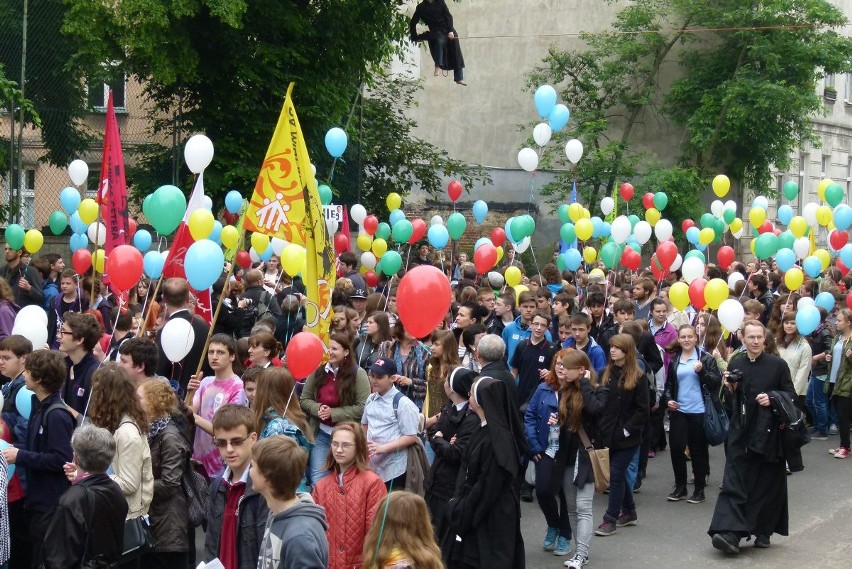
x=51 y=408
x=396 y=399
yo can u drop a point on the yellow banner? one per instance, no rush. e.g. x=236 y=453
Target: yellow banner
x=286 y=204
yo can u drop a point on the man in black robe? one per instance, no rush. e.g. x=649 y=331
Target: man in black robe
x=753 y=500
x=442 y=37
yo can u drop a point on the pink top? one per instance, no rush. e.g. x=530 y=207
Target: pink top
x=211 y=395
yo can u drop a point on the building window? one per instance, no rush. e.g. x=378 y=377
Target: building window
x=824 y=166
x=27 y=208
x=98 y=94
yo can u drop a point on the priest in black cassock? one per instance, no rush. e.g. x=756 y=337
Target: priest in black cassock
x=753 y=500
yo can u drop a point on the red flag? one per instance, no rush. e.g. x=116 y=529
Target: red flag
x=112 y=194
x=344 y=227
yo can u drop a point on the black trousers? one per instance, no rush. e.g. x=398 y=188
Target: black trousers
x=843 y=408
x=687 y=429
x=19 y=530
x=395 y=484
x=551 y=499
x=38 y=523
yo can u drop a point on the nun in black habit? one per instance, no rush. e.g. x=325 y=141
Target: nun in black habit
x=483 y=520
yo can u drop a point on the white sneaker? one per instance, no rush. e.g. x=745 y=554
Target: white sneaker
x=577 y=562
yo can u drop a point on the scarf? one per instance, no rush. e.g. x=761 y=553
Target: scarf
x=157 y=426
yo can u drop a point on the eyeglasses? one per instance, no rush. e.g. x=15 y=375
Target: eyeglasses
x=223 y=443
x=538 y=325
x=64 y=332
x=342 y=446
x=559 y=364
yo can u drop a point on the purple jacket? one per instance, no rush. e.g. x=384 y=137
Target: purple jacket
x=8 y=311
x=664 y=337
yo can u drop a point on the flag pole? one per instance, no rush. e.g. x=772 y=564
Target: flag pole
x=151 y=300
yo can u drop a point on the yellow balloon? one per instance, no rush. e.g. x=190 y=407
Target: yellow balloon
x=380 y=247
x=736 y=225
x=715 y=292
x=824 y=215
x=590 y=254
x=798 y=226
x=33 y=240
x=364 y=241
x=584 y=229
x=394 y=201
x=757 y=215
x=823 y=257
x=721 y=185
x=706 y=236
x=88 y=210
x=575 y=212
x=751 y=246
x=98 y=260
x=823 y=184
x=293 y=258
x=652 y=216
x=513 y=276
x=679 y=295
x=260 y=242
x=500 y=253
x=229 y=236
x=587 y=214
x=201 y=225
x=518 y=290
x=794 y=278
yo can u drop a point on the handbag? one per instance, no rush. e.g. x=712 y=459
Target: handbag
x=197 y=493
x=137 y=539
x=716 y=422
x=600 y=461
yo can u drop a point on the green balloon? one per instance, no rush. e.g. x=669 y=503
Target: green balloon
x=786 y=240
x=563 y=213
x=634 y=219
x=167 y=207
x=610 y=255
x=707 y=220
x=391 y=263
x=695 y=253
x=729 y=215
x=766 y=245
x=325 y=194
x=567 y=233
x=58 y=222
x=834 y=194
x=791 y=190
x=456 y=224
x=661 y=200
x=530 y=229
x=384 y=231
x=402 y=231
x=719 y=229
x=15 y=236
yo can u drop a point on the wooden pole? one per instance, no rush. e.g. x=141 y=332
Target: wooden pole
x=147 y=314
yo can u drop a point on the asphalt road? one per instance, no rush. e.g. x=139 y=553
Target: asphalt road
x=674 y=534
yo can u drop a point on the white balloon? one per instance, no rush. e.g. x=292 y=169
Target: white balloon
x=277 y=245
x=737 y=234
x=198 y=153
x=574 y=150
x=620 y=229
x=528 y=159
x=358 y=213
x=32 y=329
x=331 y=225
x=677 y=262
x=207 y=203
x=97 y=233
x=692 y=269
x=717 y=208
x=809 y=213
x=523 y=245
x=32 y=312
x=542 y=133
x=313 y=170
x=663 y=230
x=607 y=205
x=495 y=279
x=802 y=246
x=436 y=220
x=731 y=204
x=805 y=301
x=255 y=258
x=368 y=260
x=731 y=313
x=733 y=279
x=177 y=339
x=642 y=231
x=78 y=171
x=761 y=202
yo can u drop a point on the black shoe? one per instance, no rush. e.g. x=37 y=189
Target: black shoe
x=727 y=542
x=526 y=492
x=697 y=497
x=637 y=486
x=678 y=493
x=761 y=542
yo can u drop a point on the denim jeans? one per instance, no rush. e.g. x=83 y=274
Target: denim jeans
x=580 y=514
x=633 y=468
x=551 y=499
x=817 y=404
x=319 y=454
x=620 y=490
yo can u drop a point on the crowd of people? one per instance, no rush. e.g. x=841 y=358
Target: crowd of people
x=397 y=451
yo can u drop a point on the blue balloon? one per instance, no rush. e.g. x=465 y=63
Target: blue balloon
x=812 y=267
x=597 y=226
x=480 y=210
x=152 y=264
x=573 y=258
x=70 y=199
x=77 y=225
x=234 y=202
x=266 y=255
x=558 y=117
x=142 y=240
x=203 y=264
x=843 y=217
x=785 y=259
x=701 y=247
x=508 y=229
x=216 y=234
x=761 y=202
x=480 y=242
x=825 y=300
x=336 y=141
x=807 y=319
x=10 y=470
x=438 y=236
x=24 y=402
x=692 y=235
x=785 y=214
x=545 y=100
x=78 y=241
x=606 y=230
x=396 y=215
x=846 y=254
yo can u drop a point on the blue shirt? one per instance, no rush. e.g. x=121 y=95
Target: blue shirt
x=689 y=394
x=836 y=358
x=384 y=425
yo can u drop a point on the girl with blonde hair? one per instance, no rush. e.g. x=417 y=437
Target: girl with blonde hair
x=401 y=536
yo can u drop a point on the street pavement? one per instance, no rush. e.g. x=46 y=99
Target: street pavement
x=674 y=534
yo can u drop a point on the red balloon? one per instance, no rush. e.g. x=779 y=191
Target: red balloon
x=686 y=224
x=666 y=254
x=696 y=293
x=725 y=256
x=124 y=267
x=230 y=218
x=626 y=191
x=765 y=227
x=371 y=224
x=454 y=190
x=658 y=271
x=648 y=200
x=419 y=230
x=341 y=243
x=371 y=278
x=484 y=258
x=131 y=228
x=631 y=259
x=838 y=239
x=849 y=300
x=81 y=260
x=498 y=236
x=776 y=232
x=243 y=259
x=304 y=354
x=843 y=268
x=423 y=299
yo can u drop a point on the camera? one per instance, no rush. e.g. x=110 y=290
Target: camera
x=735 y=376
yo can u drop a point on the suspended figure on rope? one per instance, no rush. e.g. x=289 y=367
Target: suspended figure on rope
x=442 y=37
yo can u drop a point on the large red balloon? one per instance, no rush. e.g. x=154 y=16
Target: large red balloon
x=419 y=230
x=341 y=243
x=304 y=354
x=371 y=224
x=725 y=256
x=658 y=271
x=666 y=254
x=686 y=224
x=498 y=236
x=243 y=259
x=81 y=260
x=838 y=239
x=626 y=191
x=423 y=299
x=124 y=267
x=454 y=190
x=631 y=259
x=484 y=258
x=648 y=200
x=696 y=293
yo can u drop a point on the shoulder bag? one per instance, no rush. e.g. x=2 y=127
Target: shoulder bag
x=599 y=459
x=716 y=423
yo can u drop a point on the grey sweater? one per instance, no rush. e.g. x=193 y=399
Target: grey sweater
x=295 y=538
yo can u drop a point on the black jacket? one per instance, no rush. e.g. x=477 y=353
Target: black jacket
x=820 y=341
x=624 y=410
x=251 y=520
x=709 y=377
x=498 y=370
x=571 y=444
x=24 y=298
x=76 y=392
x=778 y=432
x=461 y=424
x=184 y=370
x=170 y=453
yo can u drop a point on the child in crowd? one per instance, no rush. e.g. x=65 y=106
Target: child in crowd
x=401 y=536
x=250 y=384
